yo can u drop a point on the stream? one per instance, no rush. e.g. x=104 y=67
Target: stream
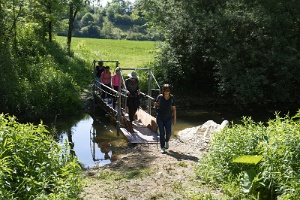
x=95 y=141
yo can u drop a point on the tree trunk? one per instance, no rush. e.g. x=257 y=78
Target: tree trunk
x=50 y=31
x=71 y=26
x=50 y=23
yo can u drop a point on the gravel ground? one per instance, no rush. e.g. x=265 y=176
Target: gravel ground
x=156 y=175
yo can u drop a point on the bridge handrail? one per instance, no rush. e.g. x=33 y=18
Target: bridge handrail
x=116 y=92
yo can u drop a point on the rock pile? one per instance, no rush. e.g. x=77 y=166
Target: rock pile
x=200 y=136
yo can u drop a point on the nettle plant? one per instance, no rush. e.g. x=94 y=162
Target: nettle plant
x=33 y=165
x=263 y=160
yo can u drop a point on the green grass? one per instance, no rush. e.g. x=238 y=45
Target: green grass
x=126 y=175
x=129 y=53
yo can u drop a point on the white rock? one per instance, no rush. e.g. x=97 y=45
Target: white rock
x=188 y=133
x=206 y=129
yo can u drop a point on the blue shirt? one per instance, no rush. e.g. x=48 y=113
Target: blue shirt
x=164 y=110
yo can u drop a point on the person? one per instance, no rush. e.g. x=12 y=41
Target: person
x=165 y=111
x=98 y=71
x=133 y=92
x=106 y=80
x=116 y=81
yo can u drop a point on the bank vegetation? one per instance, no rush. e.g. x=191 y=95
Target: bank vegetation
x=238 y=52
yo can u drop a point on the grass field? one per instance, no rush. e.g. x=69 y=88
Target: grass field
x=129 y=53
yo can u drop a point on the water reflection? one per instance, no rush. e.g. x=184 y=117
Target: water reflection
x=94 y=142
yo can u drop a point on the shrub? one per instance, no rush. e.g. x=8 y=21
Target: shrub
x=277 y=175
x=47 y=92
x=33 y=165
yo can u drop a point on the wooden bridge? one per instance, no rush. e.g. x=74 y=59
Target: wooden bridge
x=144 y=126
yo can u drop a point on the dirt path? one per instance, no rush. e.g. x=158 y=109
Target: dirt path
x=144 y=173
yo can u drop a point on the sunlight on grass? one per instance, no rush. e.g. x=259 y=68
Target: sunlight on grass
x=129 y=53
x=182 y=164
x=117 y=175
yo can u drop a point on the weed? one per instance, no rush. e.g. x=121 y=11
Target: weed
x=267 y=167
x=177 y=186
x=182 y=164
x=33 y=165
x=139 y=173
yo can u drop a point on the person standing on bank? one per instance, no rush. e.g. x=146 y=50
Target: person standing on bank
x=165 y=111
x=133 y=92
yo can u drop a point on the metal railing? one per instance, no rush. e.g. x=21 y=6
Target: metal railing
x=122 y=92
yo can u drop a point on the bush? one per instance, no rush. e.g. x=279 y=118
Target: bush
x=91 y=31
x=277 y=175
x=47 y=92
x=33 y=165
x=41 y=81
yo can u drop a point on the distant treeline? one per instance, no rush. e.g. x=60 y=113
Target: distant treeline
x=117 y=20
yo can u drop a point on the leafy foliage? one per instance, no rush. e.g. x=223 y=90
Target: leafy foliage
x=246 y=51
x=275 y=176
x=33 y=165
x=39 y=80
x=117 y=20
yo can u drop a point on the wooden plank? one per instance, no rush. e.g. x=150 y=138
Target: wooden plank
x=145 y=127
x=148 y=120
x=141 y=135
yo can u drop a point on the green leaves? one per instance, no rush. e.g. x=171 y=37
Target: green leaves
x=247 y=180
x=33 y=164
x=263 y=159
x=246 y=159
x=244 y=50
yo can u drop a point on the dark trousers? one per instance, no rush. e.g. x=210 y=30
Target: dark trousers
x=165 y=128
x=133 y=104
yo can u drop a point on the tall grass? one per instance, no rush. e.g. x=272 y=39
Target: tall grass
x=128 y=53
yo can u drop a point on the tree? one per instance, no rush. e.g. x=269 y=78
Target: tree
x=45 y=13
x=74 y=7
x=87 y=19
x=107 y=29
x=244 y=50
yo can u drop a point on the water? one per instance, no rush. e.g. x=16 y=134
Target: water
x=95 y=141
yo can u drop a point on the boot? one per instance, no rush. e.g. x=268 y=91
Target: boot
x=131 y=128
